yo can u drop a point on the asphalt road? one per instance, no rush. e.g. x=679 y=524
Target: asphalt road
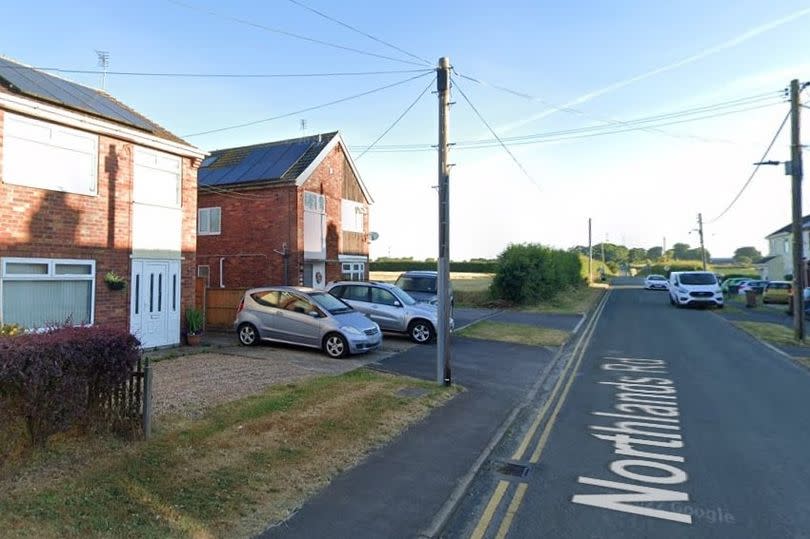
x=715 y=442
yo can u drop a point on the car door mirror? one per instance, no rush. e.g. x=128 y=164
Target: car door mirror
x=397 y=303
x=314 y=314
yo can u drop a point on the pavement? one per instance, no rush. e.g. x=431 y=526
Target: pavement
x=399 y=490
x=710 y=438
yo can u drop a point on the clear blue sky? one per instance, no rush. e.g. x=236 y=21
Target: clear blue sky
x=638 y=186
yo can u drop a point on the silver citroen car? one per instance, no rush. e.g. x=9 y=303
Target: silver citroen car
x=307 y=317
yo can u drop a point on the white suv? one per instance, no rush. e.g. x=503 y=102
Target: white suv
x=694 y=288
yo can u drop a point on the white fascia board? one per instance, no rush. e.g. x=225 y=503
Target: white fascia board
x=337 y=139
x=63 y=116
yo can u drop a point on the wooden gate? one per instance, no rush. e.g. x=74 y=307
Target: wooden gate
x=221 y=305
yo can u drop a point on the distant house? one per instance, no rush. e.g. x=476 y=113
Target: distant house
x=286 y=212
x=89 y=186
x=779 y=261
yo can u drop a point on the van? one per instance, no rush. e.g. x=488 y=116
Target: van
x=694 y=288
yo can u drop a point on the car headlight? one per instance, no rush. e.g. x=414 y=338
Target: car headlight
x=681 y=290
x=351 y=330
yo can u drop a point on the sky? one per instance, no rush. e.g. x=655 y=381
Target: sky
x=603 y=63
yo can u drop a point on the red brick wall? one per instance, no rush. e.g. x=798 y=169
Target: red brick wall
x=51 y=224
x=254 y=224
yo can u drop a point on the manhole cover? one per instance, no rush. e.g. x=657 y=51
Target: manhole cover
x=510 y=468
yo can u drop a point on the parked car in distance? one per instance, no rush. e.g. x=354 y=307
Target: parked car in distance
x=390 y=307
x=732 y=285
x=656 y=282
x=422 y=285
x=306 y=317
x=758 y=286
x=777 y=292
x=694 y=288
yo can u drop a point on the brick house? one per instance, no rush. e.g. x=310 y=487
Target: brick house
x=89 y=186
x=287 y=212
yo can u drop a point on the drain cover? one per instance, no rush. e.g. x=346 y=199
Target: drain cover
x=510 y=468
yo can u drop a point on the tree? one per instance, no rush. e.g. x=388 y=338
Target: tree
x=637 y=255
x=679 y=251
x=694 y=254
x=751 y=253
x=743 y=260
x=654 y=253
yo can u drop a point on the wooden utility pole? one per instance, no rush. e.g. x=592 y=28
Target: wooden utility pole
x=590 y=254
x=796 y=183
x=702 y=248
x=443 y=374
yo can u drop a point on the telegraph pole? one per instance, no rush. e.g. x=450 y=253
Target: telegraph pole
x=796 y=173
x=443 y=375
x=702 y=248
x=590 y=254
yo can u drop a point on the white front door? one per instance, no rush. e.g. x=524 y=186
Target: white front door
x=155 y=302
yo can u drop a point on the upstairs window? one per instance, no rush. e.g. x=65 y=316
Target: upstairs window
x=314 y=202
x=49 y=156
x=209 y=221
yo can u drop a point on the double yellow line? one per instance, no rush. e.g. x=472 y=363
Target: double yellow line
x=567 y=377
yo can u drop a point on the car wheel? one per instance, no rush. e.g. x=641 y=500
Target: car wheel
x=720 y=306
x=671 y=301
x=421 y=331
x=335 y=346
x=248 y=334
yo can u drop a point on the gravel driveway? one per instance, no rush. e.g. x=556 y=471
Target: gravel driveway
x=189 y=384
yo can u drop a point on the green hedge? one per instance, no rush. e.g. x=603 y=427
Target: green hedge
x=529 y=272
x=461 y=267
x=676 y=265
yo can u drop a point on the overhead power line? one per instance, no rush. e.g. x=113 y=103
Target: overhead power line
x=289 y=34
x=406 y=111
x=222 y=75
x=307 y=109
x=753 y=172
x=674 y=118
x=494 y=134
x=362 y=33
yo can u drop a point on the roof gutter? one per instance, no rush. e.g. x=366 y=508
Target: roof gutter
x=44 y=111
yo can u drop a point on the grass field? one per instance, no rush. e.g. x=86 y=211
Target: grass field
x=239 y=468
x=517 y=333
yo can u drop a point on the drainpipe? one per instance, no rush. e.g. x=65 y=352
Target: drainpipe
x=285 y=254
x=221 y=269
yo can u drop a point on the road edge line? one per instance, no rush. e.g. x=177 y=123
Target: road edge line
x=451 y=504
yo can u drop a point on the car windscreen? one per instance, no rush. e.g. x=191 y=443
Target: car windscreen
x=330 y=303
x=656 y=278
x=779 y=286
x=417 y=284
x=403 y=296
x=698 y=278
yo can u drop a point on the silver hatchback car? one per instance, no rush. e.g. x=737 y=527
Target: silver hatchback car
x=307 y=317
x=391 y=307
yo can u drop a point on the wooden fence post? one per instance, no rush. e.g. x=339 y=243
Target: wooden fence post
x=147 y=399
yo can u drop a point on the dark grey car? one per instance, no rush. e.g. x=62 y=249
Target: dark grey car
x=307 y=317
x=422 y=285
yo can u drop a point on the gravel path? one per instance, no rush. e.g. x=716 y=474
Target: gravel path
x=188 y=385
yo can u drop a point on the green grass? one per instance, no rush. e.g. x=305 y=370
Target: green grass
x=241 y=467
x=517 y=333
x=773 y=333
x=575 y=301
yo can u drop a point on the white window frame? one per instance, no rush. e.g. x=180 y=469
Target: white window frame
x=14 y=129
x=314 y=202
x=207 y=275
x=350 y=270
x=206 y=212
x=161 y=162
x=51 y=275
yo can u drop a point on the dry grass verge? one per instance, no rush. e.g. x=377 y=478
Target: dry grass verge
x=242 y=466
x=575 y=301
x=518 y=333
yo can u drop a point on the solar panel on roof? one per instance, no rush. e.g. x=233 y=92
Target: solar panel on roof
x=35 y=83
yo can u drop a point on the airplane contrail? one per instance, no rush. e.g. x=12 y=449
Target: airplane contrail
x=750 y=34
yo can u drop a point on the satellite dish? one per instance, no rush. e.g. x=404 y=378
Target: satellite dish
x=374 y=236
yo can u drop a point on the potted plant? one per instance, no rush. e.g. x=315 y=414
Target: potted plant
x=194 y=326
x=114 y=281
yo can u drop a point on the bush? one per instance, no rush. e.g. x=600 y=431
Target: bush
x=676 y=265
x=528 y=273
x=64 y=378
x=405 y=265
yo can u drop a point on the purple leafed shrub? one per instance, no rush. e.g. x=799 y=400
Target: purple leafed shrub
x=64 y=378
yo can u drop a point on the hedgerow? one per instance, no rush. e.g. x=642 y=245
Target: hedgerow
x=528 y=273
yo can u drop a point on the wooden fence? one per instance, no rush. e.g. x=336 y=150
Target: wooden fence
x=131 y=402
x=221 y=305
